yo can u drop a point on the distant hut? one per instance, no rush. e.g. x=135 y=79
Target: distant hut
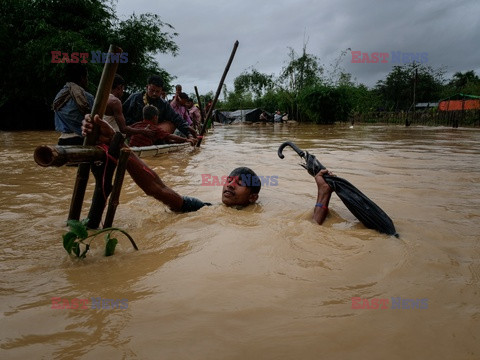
x=253 y=115
x=455 y=108
x=460 y=102
x=239 y=116
x=426 y=105
x=221 y=116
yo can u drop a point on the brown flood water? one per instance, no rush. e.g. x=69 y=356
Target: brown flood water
x=260 y=283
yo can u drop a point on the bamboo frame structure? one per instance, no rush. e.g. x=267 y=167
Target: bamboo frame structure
x=117 y=186
x=103 y=173
x=47 y=155
x=99 y=106
x=91 y=157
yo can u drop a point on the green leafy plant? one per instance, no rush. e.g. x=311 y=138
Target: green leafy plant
x=75 y=241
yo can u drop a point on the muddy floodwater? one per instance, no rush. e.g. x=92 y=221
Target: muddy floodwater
x=264 y=282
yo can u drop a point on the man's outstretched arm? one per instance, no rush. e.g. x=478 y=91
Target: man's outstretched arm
x=151 y=184
x=143 y=176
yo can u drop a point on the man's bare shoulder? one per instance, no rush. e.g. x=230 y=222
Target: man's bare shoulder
x=113 y=104
x=113 y=100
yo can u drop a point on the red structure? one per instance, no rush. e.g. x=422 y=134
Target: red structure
x=460 y=102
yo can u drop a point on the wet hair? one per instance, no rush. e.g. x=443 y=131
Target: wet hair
x=75 y=72
x=117 y=81
x=248 y=178
x=155 y=80
x=149 y=112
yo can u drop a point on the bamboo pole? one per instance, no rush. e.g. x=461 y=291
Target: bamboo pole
x=99 y=106
x=219 y=89
x=103 y=173
x=202 y=114
x=117 y=186
x=46 y=155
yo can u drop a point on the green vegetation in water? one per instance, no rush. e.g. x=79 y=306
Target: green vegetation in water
x=78 y=235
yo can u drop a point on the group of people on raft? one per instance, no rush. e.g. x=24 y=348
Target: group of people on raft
x=145 y=118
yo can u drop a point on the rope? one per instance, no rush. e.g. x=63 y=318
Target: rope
x=109 y=157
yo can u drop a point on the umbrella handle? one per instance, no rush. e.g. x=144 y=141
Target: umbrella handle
x=312 y=164
x=293 y=146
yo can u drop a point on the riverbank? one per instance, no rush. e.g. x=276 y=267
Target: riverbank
x=430 y=117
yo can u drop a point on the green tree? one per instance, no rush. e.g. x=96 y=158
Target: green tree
x=238 y=100
x=31 y=29
x=326 y=104
x=141 y=36
x=467 y=83
x=398 y=88
x=254 y=82
x=363 y=99
x=300 y=73
x=336 y=74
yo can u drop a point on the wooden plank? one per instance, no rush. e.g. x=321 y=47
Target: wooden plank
x=156 y=150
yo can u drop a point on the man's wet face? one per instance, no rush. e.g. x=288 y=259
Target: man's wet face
x=120 y=89
x=235 y=193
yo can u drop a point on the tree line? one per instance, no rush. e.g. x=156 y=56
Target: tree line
x=307 y=92
x=31 y=29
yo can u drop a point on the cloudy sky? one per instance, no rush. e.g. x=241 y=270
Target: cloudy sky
x=446 y=30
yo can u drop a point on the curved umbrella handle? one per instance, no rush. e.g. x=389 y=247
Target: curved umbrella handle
x=293 y=146
x=312 y=165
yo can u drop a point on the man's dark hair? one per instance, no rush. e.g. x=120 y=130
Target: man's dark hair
x=117 y=81
x=149 y=112
x=248 y=178
x=75 y=72
x=183 y=95
x=155 y=80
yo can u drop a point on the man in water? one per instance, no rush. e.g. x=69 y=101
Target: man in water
x=241 y=188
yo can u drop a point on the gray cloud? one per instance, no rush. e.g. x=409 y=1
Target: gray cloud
x=446 y=30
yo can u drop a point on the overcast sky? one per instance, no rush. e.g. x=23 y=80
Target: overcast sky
x=446 y=30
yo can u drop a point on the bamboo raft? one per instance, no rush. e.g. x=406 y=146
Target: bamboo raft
x=155 y=150
x=95 y=159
